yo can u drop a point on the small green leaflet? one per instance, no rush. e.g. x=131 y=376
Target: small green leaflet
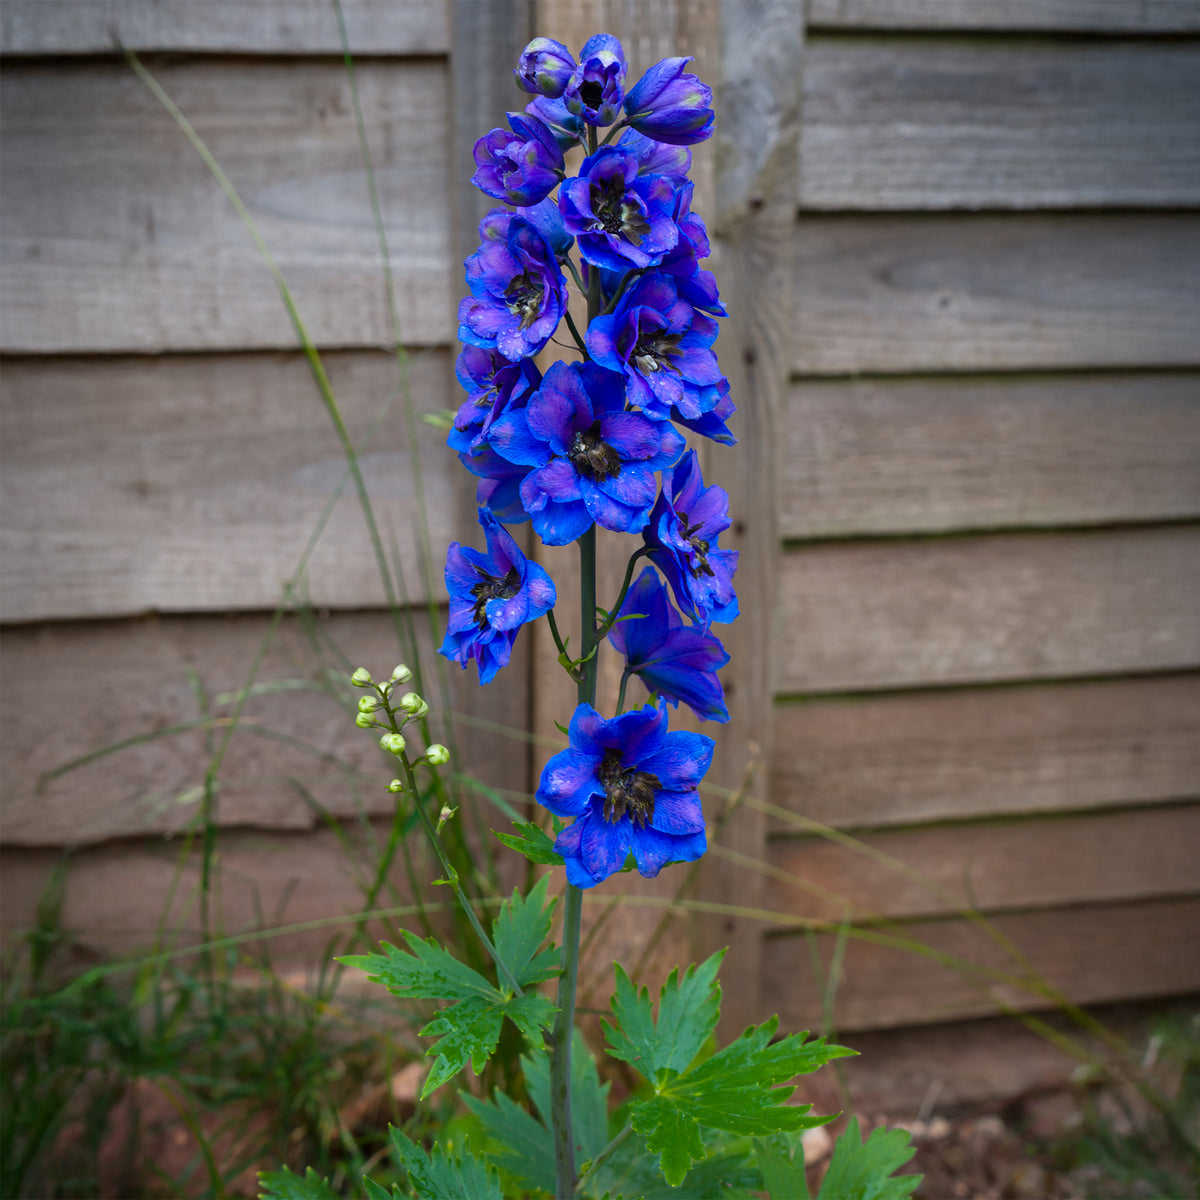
x=738 y=1090
x=864 y=1170
x=688 y=1010
x=469 y=1029
x=284 y=1185
x=533 y=842
x=439 y=1175
x=781 y=1161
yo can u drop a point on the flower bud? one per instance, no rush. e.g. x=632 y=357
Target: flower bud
x=401 y=674
x=361 y=677
x=437 y=754
x=412 y=704
x=670 y=105
x=364 y=720
x=395 y=786
x=368 y=704
x=444 y=816
x=544 y=68
x=393 y=743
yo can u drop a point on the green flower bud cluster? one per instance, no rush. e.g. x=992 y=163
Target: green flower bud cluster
x=376 y=710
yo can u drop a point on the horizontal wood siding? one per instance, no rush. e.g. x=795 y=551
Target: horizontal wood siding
x=117 y=238
x=1076 y=16
x=921 y=124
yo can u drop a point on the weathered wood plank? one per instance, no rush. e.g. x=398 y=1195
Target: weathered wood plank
x=126 y=679
x=968 y=293
x=992 y=866
x=204 y=479
x=929 y=124
x=223 y=26
x=116 y=236
x=936 y=454
x=961 y=753
x=1092 y=955
x=1081 y=16
x=973 y=609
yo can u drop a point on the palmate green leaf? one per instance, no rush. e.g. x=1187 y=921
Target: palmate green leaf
x=520 y=928
x=425 y=972
x=284 y=1185
x=737 y=1090
x=781 y=1161
x=726 y=1174
x=533 y=842
x=862 y=1170
x=688 y=1010
x=439 y=1175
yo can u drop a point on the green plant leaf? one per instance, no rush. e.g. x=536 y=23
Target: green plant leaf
x=781 y=1161
x=427 y=973
x=533 y=842
x=284 y=1185
x=688 y=1010
x=862 y=1170
x=442 y=1175
x=520 y=928
x=738 y=1090
x=589 y=1099
x=376 y=1191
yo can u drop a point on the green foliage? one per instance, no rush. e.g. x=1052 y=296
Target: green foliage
x=284 y=1185
x=866 y=1170
x=533 y=842
x=442 y=1175
x=520 y=928
x=781 y=1161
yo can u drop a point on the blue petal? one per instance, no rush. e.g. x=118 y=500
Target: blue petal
x=677 y=813
x=568 y=782
x=682 y=761
x=604 y=846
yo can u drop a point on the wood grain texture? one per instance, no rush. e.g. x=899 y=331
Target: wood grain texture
x=223 y=26
x=1076 y=16
x=117 y=238
x=973 y=609
x=992 y=866
x=297 y=748
x=194 y=483
x=936 y=454
x=1093 y=954
x=970 y=293
x=956 y=754
x=916 y=123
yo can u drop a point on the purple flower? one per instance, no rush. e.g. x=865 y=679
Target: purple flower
x=493 y=384
x=499 y=487
x=676 y=661
x=696 y=286
x=620 y=218
x=682 y=534
x=491 y=596
x=712 y=423
x=518 y=292
x=656 y=158
x=597 y=85
x=661 y=345
x=591 y=461
x=670 y=105
x=544 y=68
x=631 y=786
x=554 y=114
x=522 y=167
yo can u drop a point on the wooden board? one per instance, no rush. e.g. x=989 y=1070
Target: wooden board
x=927 y=123
x=1093 y=954
x=856 y=616
x=935 y=454
x=117 y=237
x=992 y=866
x=71 y=689
x=222 y=26
x=969 y=293
x=193 y=483
x=955 y=754
x=1081 y=16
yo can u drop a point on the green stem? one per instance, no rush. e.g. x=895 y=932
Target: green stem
x=621 y=693
x=575 y=333
x=611 y=620
x=608 y=1151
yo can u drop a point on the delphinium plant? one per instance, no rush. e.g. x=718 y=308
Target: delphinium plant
x=599 y=439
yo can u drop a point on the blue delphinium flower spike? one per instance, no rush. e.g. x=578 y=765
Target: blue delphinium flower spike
x=522 y=167
x=676 y=661
x=491 y=596
x=631 y=785
x=597 y=85
x=682 y=536
x=493 y=384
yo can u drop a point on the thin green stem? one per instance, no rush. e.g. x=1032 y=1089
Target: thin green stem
x=611 y=619
x=558 y=639
x=608 y=1151
x=608 y=137
x=570 y=265
x=621 y=692
x=575 y=333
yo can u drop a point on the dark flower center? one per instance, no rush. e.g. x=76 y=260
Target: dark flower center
x=627 y=790
x=698 y=544
x=653 y=352
x=490 y=587
x=618 y=213
x=594 y=459
x=591 y=93
x=524 y=296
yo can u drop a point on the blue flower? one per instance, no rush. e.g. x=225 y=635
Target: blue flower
x=597 y=85
x=682 y=535
x=545 y=68
x=554 y=114
x=620 y=219
x=518 y=292
x=493 y=384
x=661 y=345
x=631 y=786
x=499 y=487
x=656 y=158
x=670 y=105
x=591 y=461
x=522 y=167
x=491 y=596
x=676 y=661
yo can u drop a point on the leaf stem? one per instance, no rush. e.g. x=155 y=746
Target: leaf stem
x=621 y=694
x=575 y=332
x=611 y=619
x=608 y=1151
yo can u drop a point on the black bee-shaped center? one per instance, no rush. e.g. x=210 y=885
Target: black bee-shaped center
x=490 y=587
x=653 y=352
x=627 y=790
x=618 y=213
x=594 y=459
x=524 y=296
x=698 y=544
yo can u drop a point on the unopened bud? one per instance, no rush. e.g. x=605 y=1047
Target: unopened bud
x=395 y=786
x=361 y=677
x=413 y=704
x=401 y=674
x=393 y=743
x=445 y=815
x=364 y=720
x=437 y=754
x=368 y=704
